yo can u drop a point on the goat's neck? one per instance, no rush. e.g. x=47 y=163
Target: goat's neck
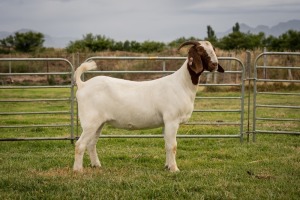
x=184 y=78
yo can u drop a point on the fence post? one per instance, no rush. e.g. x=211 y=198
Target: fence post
x=248 y=70
x=9 y=63
x=265 y=64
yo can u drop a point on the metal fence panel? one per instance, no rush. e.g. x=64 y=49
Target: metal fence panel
x=240 y=111
x=5 y=99
x=236 y=79
x=282 y=107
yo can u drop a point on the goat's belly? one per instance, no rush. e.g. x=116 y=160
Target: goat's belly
x=135 y=122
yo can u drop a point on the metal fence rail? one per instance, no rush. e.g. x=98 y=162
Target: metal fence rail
x=276 y=95
x=69 y=99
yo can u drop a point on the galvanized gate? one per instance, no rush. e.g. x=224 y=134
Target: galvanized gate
x=217 y=121
x=284 y=115
x=227 y=110
x=14 y=107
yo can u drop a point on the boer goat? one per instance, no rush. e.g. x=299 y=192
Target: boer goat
x=167 y=101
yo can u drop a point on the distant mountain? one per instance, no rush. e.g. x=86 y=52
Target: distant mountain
x=50 y=41
x=274 y=30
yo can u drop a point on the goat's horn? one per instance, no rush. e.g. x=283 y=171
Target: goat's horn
x=188 y=43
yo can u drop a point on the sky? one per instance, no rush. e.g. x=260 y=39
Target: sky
x=140 y=20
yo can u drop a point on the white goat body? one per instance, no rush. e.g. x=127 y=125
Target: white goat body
x=168 y=102
x=136 y=105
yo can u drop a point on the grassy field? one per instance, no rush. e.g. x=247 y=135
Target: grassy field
x=134 y=168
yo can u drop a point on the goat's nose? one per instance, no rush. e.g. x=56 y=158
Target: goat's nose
x=212 y=66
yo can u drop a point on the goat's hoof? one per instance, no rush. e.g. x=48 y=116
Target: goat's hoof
x=96 y=166
x=78 y=170
x=172 y=168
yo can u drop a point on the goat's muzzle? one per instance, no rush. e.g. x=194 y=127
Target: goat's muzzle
x=215 y=67
x=220 y=69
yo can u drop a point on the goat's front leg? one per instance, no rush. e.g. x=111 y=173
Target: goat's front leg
x=170 y=132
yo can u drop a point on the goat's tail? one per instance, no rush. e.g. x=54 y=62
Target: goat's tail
x=86 y=66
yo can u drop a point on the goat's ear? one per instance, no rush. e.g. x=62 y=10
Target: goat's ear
x=194 y=60
x=220 y=69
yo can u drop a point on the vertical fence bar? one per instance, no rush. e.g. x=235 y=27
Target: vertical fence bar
x=254 y=101
x=265 y=64
x=72 y=105
x=248 y=69
x=242 y=104
x=164 y=65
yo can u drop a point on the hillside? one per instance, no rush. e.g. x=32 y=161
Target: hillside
x=276 y=30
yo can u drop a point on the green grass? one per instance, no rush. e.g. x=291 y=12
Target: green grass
x=35 y=119
x=134 y=168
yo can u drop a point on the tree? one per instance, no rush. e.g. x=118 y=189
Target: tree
x=211 y=35
x=117 y=46
x=76 y=46
x=7 y=44
x=236 y=40
x=236 y=27
x=126 y=46
x=290 y=40
x=232 y=41
x=253 y=41
x=24 y=42
x=151 y=46
x=135 y=46
x=287 y=41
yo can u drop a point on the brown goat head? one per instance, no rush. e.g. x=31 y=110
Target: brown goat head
x=201 y=56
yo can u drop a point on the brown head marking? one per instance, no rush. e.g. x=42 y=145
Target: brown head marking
x=195 y=66
x=201 y=56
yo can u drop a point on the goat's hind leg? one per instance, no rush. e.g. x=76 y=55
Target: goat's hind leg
x=92 y=150
x=80 y=147
x=88 y=139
